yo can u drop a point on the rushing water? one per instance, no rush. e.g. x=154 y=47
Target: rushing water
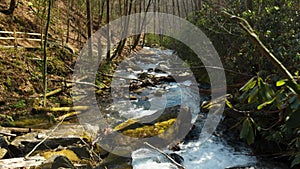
x=214 y=153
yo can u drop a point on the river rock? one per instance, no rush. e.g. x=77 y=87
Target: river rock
x=62 y=162
x=179 y=159
x=57 y=161
x=114 y=161
x=3 y=142
x=64 y=135
x=21 y=162
x=240 y=167
x=3 y=152
x=3 y=146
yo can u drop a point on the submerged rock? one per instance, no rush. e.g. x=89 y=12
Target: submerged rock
x=240 y=167
x=115 y=162
x=179 y=159
x=63 y=162
x=57 y=161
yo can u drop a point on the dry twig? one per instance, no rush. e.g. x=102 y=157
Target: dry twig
x=166 y=155
x=35 y=147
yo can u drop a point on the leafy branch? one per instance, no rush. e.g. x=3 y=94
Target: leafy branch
x=258 y=43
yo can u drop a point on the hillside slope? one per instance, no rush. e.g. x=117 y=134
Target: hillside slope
x=21 y=69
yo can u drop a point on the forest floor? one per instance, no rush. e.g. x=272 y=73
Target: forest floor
x=21 y=68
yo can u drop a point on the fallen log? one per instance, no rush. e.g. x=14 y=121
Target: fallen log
x=66 y=116
x=7 y=134
x=62 y=109
x=21 y=130
x=21 y=162
x=56 y=91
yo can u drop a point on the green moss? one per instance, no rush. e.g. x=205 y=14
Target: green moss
x=67 y=153
x=38 y=121
x=20 y=104
x=150 y=130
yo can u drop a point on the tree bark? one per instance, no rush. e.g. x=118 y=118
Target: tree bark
x=89 y=27
x=125 y=31
x=45 y=53
x=108 y=31
x=68 y=21
x=101 y=10
x=137 y=38
x=178 y=8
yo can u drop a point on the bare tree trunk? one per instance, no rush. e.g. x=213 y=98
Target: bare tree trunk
x=108 y=31
x=120 y=7
x=11 y=8
x=137 y=39
x=198 y=4
x=166 y=6
x=185 y=8
x=122 y=43
x=250 y=4
x=68 y=21
x=160 y=9
x=178 y=8
x=89 y=27
x=45 y=53
x=112 y=5
x=101 y=11
x=173 y=7
x=154 y=10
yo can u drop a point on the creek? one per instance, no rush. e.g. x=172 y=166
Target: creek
x=131 y=101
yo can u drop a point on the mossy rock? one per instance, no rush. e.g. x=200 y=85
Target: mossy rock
x=125 y=124
x=150 y=130
x=153 y=126
x=165 y=115
x=35 y=121
x=3 y=152
x=67 y=153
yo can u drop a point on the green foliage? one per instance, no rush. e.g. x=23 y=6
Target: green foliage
x=6 y=120
x=296 y=160
x=275 y=112
x=269 y=103
x=248 y=130
x=20 y=104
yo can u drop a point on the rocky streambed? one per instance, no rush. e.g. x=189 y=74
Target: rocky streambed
x=147 y=92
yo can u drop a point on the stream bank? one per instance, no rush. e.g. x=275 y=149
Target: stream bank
x=150 y=89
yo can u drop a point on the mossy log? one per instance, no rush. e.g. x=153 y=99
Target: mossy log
x=62 y=109
x=56 y=91
x=60 y=118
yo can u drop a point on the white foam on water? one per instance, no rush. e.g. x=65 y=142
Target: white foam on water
x=159 y=74
x=213 y=154
x=150 y=159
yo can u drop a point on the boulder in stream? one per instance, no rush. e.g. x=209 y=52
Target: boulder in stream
x=65 y=135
